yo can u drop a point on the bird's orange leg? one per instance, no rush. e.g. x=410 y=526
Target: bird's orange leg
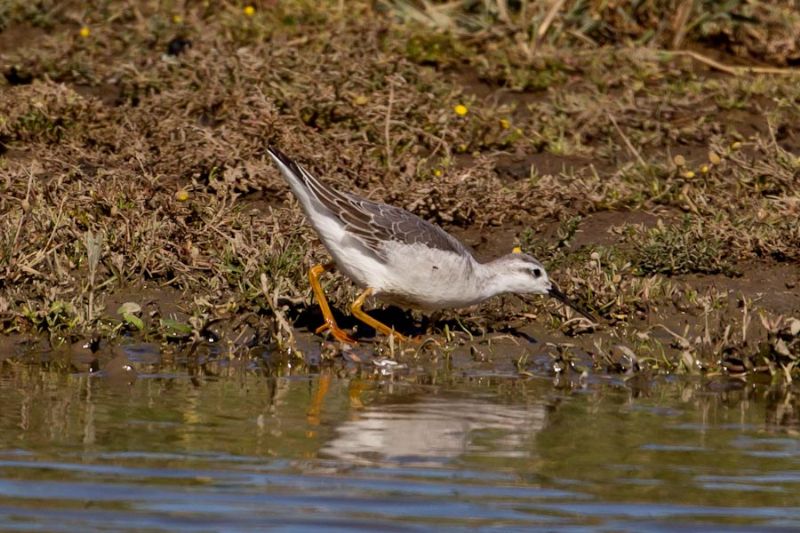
x=366 y=319
x=330 y=323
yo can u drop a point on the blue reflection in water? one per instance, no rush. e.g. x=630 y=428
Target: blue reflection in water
x=244 y=452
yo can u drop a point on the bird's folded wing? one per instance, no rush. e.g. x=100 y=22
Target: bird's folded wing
x=373 y=223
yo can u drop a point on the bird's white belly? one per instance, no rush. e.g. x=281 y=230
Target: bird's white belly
x=412 y=276
x=350 y=257
x=428 y=279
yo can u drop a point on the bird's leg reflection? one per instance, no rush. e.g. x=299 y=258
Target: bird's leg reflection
x=354 y=391
x=318 y=398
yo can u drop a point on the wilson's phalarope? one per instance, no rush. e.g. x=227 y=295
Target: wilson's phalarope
x=400 y=258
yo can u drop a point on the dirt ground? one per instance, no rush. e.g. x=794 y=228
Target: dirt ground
x=649 y=156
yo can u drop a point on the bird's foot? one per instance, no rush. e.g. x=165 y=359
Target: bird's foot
x=338 y=333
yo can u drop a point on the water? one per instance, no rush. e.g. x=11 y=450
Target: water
x=351 y=448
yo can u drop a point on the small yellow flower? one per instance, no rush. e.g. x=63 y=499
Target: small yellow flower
x=704 y=169
x=84 y=32
x=182 y=195
x=437 y=173
x=714 y=159
x=736 y=145
x=688 y=174
x=360 y=100
x=504 y=123
x=460 y=110
x=177 y=19
x=249 y=11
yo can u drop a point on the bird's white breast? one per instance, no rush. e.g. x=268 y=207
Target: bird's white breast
x=350 y=255
x=413 y=275
x=428 y=278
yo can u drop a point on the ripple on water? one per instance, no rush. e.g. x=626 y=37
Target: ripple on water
x=247 y=451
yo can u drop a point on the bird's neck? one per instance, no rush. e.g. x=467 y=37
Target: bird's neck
x=491 y=278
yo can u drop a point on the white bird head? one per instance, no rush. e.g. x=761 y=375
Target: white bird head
x=523 y=274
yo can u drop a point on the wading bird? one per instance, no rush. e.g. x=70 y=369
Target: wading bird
x=396 y=256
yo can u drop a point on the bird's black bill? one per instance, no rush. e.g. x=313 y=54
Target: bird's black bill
x=561 y=297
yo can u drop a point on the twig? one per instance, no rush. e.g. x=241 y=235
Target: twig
x=32 y=271
x=731 y=69
x=22 y=218
x=94 y=245
x=734 y=70
x=502 y=11
x=548 y=21
x=56 y=223
x=441 y=142
x=583 y=37
x=272 y=302
x=685 y=344
x=681 y=18
x=625 y=139
x=388 y=125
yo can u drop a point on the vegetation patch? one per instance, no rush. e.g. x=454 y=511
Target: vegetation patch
x=682 y=248
x=133 y=165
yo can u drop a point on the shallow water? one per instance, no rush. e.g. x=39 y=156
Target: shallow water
x=355 y=448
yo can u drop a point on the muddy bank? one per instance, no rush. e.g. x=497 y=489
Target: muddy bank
x=659 y=188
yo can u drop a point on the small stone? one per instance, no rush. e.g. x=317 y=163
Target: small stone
x=132 y=308
x=782 y=349
x=177 y=46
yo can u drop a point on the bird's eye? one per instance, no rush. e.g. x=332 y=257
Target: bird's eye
x=536 y=272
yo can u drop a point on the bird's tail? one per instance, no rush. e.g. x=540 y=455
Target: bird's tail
x=306 y=187
x=295 y=176
x=291 y=171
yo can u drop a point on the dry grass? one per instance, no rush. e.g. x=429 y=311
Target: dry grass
x=125 y=167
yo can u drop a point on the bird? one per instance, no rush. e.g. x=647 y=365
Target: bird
x=400 y=258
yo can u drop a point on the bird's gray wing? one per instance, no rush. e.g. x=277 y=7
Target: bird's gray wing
x=377 y=223
x=372 y=223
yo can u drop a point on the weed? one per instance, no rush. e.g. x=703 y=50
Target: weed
x=688 y=247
